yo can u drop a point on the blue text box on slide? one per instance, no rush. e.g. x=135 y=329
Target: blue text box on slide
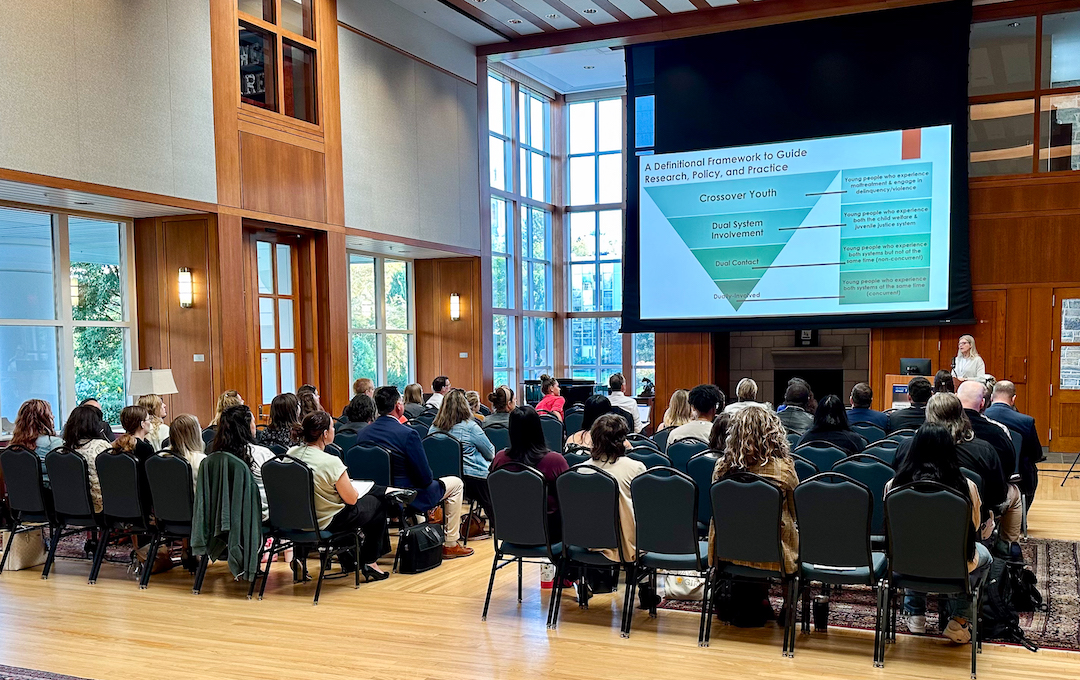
x=886 y=218
x=737 y=229
x=887 y=183
x=741 y=195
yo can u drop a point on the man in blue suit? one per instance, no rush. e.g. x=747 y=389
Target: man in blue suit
x=861 y=398
x=389 y=432
x=1003 y=410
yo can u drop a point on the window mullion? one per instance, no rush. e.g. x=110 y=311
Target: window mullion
x=66 y=341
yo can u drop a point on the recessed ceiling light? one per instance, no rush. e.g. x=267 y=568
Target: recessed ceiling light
x=553 y=16
x=83 y=203
x=589 y=11
x=1014 y=24
x=513 y=21
x=588 y=68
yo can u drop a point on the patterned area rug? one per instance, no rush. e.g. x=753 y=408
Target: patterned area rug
x=1056 y=565
x=12 y=673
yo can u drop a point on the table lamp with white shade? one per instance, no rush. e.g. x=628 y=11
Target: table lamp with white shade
x=152 y=381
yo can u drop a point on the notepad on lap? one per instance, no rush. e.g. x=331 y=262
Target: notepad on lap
x=362 y=486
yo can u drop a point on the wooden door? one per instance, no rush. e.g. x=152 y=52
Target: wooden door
x=1065 y=368
x=273 y=278
x=988 y=331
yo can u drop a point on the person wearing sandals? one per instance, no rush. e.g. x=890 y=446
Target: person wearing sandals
x=339 y=504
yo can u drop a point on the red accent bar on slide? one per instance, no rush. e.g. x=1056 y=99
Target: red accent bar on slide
x=911 y=144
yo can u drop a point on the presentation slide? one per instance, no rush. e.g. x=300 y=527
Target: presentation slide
x=854 y=224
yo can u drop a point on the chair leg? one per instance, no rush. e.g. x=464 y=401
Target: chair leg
x=468 y=520
x=628 y=599
x=491 y=584
x=324 y=564
x=652 y=608
x=200 y=575
x=54 y=543
x=556 y=593
x=151 y=554
x=705 y=609
x=791 y=597
x=261 y=570
x=356 y=547
x=805 y=606
x=7 y=548
x=717 y=579
x=266 y=572
x=99 y=556
x=976 y=644
x=879 y=647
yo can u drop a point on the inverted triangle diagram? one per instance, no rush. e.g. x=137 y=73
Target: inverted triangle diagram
x=737 y=228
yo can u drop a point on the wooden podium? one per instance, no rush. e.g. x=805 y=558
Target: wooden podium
x=890 y=398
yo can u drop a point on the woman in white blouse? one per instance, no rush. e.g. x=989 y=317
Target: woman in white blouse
x=969 y=365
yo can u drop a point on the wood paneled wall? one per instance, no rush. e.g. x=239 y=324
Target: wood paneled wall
x=683 y=360
x=445 y=347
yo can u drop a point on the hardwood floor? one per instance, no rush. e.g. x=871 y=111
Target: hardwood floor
x=428 y=626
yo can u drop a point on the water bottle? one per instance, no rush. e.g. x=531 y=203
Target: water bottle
x=547 y=576
x=821 y=613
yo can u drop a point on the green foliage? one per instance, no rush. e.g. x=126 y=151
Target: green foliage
x=99 y=351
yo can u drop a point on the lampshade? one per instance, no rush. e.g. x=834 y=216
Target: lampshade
x=152 y=381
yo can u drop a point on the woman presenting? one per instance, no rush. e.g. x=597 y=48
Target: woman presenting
x=968 y=365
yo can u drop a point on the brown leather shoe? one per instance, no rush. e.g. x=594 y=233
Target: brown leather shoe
x=456 y=551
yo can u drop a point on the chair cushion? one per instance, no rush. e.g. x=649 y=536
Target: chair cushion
x=748 y=572
x=586 y=556
x=859 y=575
x=518 y=550
x=687 y=562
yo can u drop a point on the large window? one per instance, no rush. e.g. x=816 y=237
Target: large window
x=381 y=345
x=65 y=316
x=279 y=318
x=269 y=28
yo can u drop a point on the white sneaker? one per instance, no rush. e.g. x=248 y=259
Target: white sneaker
x=960 y=633
x=916 y=624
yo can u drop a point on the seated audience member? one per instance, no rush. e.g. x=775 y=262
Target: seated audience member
x=339 y=507
x=972 y=395
x=309 y=400
x=227 y=399
x=705 y=402
x=34 y=430
x=811 y=402
x=862 y=396
x=919 y=391
x=619 y=400
x=831 y=426
x=594 y=407
x=159 y=431
x=106 y=429
x=360 y=413
x=747 y=393
x=414 y=400
x=528 y=447
x=82 y=434
x=795 y=415
x=137 y=424
x=416 y=473
x=678 y=411
x=439 y=387
x=933 y=457
x=502 y=403
x=185 y=441
x=976 y=455
x=757 y=443
x=473 y=397
x=552 y=401
x=608 y=453
x=943 y=382
x=455 y=418
x=718 y=434
x=284 y=427
x=361 y=386
x=236 y=435
x=1002 y=409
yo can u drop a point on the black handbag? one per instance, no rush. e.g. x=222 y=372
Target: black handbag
x=421 y=548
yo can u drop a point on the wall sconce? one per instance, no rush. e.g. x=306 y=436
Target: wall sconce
x=184 y=288
x=455 y=306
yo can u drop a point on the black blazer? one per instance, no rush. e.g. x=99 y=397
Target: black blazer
x=904 y=418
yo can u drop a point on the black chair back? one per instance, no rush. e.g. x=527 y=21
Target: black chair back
x=519 y=501
x=884 y=450
x=290 y=495
x=870 y=432
x=649 y=456
x=834 y=513
x=700 y=469
x=973 y=476
x=576 y=457
x=118 y=476
x=344 y=440
x=823 y=455
x=940 y=554
x=171 y=489
x=572 y=419
x=874 y=474
x=636 y=440
x=661 y=438
x=665 y=512
x=499 y=436
x=208 y=435
x=279 y=450
x=793 y=439
x=899 y=436
x=746 y=517
x=553 y=432
x=683 y=450
x=804 y=468
x=69 y=477
x=369 y=461
x=1017 y=442
x=421 y=426
x=335 y=450
x=21 y=469
x=589 y=504
x=444 y=454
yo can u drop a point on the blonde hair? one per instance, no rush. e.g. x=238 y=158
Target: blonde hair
x=185 y=436
x=678 y=410
x=414 y=394
x=131 y=418
x=945 y=409
x=152 y=403
x=473 y=397
x=454 y=409
x=228 y=399
x=754 y=437
x=746 y=390
x=362 y=385
x=971 y=341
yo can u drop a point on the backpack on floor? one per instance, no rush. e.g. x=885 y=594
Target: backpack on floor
x=1025 y=595
x=998 y=618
